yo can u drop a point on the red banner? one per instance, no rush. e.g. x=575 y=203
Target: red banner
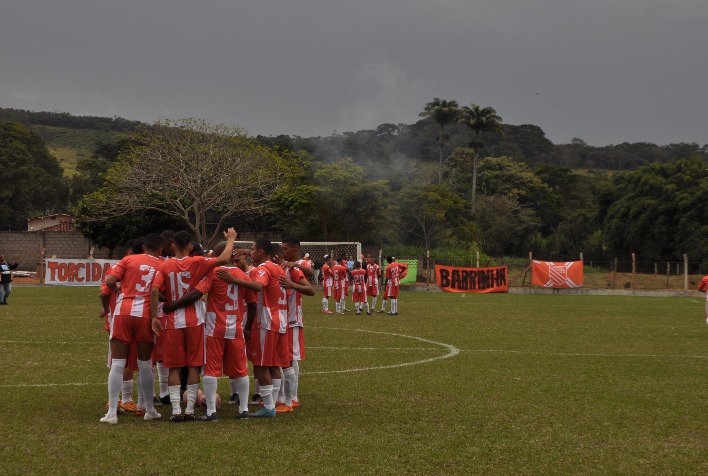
x=554 y=275
x=472 y=280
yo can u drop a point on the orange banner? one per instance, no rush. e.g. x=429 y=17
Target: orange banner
x=554 y=275
x=472 y=280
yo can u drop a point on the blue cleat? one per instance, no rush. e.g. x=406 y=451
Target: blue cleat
x=263 y=413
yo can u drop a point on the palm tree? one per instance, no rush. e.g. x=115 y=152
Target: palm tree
x=443 y=112
x=479 y=120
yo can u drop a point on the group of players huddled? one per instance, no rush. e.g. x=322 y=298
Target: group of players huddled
x=158 y=322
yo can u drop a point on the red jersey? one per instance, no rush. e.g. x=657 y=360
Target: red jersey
x=359 y=279
x=175 y=278
x=226 y=306
x=272 y=313
x=703 y=286
x=373 y=274
x=339 y=274
x=294 y=298
x=327 y=275
x=394 y=273
x=103 y=290
x=136 y=274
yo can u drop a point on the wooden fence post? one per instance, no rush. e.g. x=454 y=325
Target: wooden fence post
x=685 y=272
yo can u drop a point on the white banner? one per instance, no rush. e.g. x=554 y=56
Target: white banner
x=76 y=272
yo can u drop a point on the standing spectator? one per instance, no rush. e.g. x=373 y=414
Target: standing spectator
x=6 y=285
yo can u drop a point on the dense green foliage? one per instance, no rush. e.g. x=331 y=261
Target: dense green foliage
x=31 y=180
x=385 y=185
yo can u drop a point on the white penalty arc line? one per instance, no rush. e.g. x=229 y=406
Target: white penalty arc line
x=452 y=351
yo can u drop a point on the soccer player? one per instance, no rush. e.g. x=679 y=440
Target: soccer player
x=271 y=320
x=393 y=274
x=359 y=289
x=297 y=282
x=131 y=323
x=228 y=300
x=108 y=301
x=339 y=276
x=703 y=286
x=184 y=332
x=327 y=284
x=373 y=274
x=168 y=239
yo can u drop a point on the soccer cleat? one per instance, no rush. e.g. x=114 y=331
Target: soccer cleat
x=392 y=313
x=165 y=400
x=256 y=399
x=151 y=415
x=283 y=408
x=346 y=310
x=340 y=312
x=263 y=413
x=381 y=311
x=234 y=400
x=156 y=401
x=110 y=419
x=243 y=415
x=211 y=417
x=177 y=418
x=139 y=412
x=368 y=313
x=130 y=406
x=328 y=312
x=295 y=404
x=189 y=417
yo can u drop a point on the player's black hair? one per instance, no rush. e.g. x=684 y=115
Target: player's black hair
x=182 y=239
x=264 y=245
x=168 y=235
x=357 y=264
x=138 y=245
x=219 y=248
x=291 y=240
x=276 y=250
x=389 y=259
x=153 y=242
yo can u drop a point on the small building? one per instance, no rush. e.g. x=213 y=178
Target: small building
x=56 y=222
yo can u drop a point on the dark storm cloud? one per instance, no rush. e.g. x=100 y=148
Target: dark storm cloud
x=605 y=71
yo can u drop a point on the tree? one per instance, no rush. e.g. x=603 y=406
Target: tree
x=430 y=213
x=443 y=112
x=480 y=120
x=186 y=170
x=32 y=179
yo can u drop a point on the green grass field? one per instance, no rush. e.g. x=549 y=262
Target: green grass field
x=456 y=384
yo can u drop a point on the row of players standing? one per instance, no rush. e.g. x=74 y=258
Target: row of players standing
x=253 y=314
x=365 y=283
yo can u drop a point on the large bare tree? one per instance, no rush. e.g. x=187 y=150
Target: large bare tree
x=188 y=169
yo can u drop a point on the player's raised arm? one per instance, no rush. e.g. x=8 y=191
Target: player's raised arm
x=225 y=255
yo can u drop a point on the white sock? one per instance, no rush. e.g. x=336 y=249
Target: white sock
x=383 y=305
x=394 y=305
x=146 y=385
x=242 y=385
x=288 y=384
x=324 y=304
x=174 y=399
x=373 y=302
x=367 y=307
x=162 y=374
x=191 y=397
x=233 y=385
x=267 y=394
x=209 y=384
x=141 y=398
x=115 y=380
x=276 y=389
x=126 y=391
x=296 y=368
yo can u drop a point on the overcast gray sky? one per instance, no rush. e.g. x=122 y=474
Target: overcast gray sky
x=607 y=71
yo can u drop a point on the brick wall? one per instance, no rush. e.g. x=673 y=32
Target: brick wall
x=27 y=247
